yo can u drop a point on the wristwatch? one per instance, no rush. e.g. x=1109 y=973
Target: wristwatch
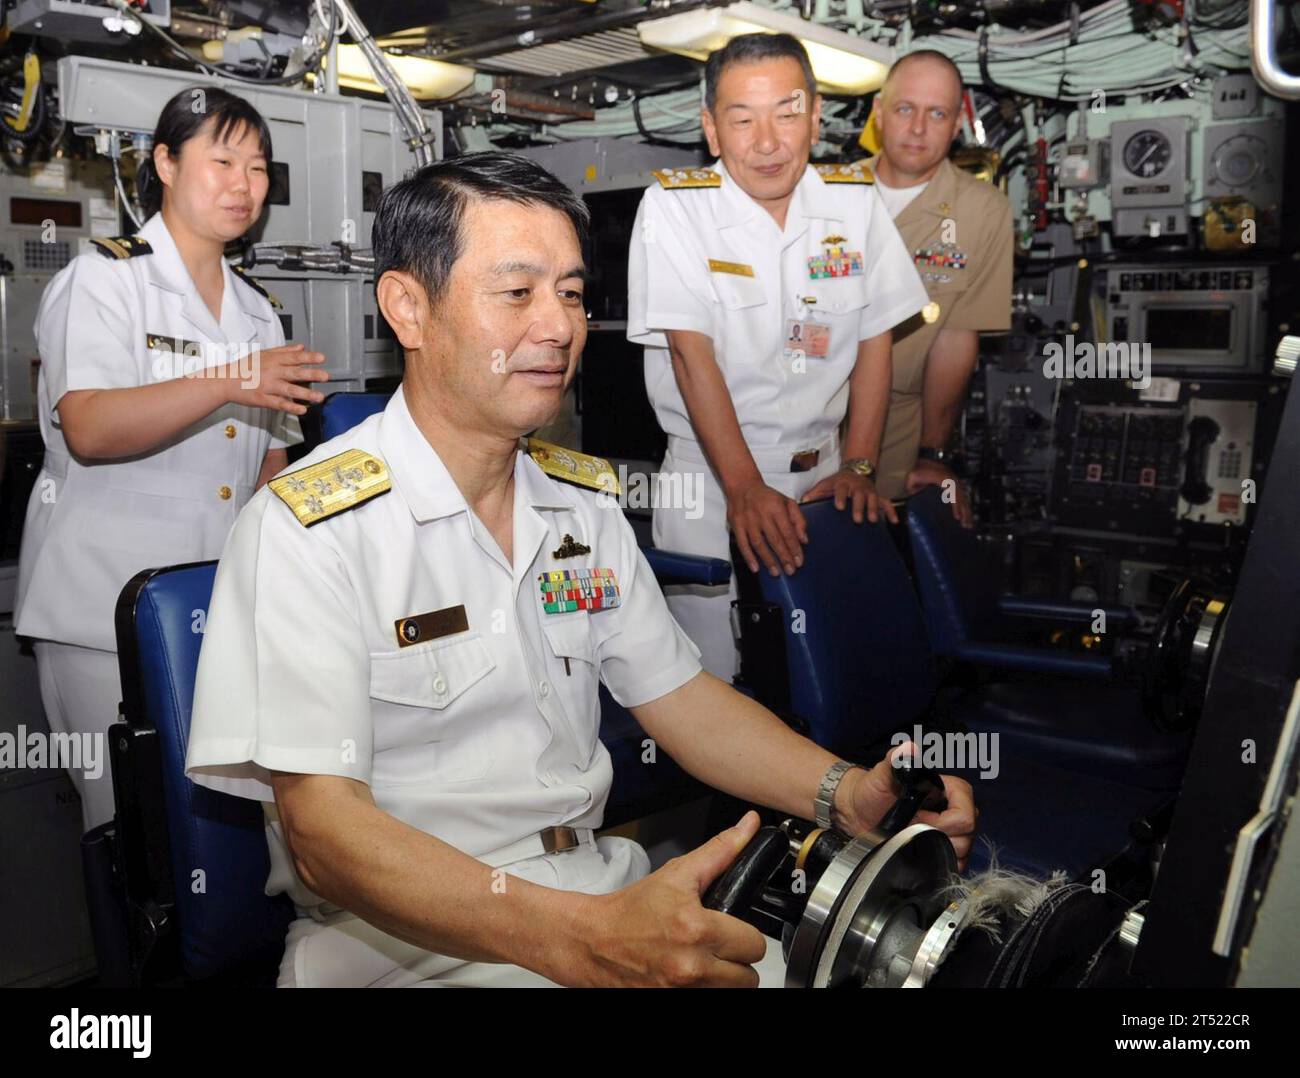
x=939 y=456
x=824 y=802
x=860 y=466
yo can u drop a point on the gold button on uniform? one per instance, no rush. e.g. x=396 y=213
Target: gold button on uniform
x=224 y=493
x=230 y=430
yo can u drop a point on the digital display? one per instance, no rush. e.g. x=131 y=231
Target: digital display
x=36 y=211
x=1190 y=329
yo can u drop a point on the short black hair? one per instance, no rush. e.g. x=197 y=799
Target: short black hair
x=750 y=48
x=925 y=54
x=182 y=118
x=417 y=227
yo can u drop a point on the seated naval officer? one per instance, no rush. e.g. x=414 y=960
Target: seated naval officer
x=406 y=636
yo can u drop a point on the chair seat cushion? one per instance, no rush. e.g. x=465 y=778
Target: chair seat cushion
x=1094 y=730
x=1040 y=819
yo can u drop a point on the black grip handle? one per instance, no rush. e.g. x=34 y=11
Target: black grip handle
x=736 y=889
x=922 y=788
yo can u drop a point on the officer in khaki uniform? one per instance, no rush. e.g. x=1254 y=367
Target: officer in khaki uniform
x=958 y=230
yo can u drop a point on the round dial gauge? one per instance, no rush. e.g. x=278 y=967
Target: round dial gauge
x=1239 y=160
x=1147 y=153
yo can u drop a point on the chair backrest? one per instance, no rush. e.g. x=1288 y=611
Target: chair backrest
x=343 y=411
x=860 y=665
x=959 y=593
x=218 y=853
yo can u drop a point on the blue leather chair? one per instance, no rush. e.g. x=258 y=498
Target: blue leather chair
x=1096 y=726
x=343 y=411
x=847 y=635
x=194 y=862
x=969 y=618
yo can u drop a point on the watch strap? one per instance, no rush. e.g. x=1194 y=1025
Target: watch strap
x=825 y=799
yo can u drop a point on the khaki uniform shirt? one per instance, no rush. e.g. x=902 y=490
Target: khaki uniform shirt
x=966 y=269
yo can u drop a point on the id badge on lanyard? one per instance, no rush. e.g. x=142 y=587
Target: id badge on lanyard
x=807 y=338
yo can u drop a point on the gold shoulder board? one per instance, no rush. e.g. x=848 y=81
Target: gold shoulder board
x=857 y=172
x=570 y=466
x=676 y=179
x=258 y=287
x=342 y=482
x=121 y=246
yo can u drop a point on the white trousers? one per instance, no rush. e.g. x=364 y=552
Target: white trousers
x=80 y=690
x=343 y=951
x=704 y=613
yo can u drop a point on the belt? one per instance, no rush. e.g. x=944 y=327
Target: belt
x=773 y=459
x=550 y=840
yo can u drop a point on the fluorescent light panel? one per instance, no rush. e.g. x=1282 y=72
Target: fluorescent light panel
x=428 y=80
x=843 y=64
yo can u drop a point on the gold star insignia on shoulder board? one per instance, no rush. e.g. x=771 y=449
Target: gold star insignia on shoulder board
x=854 y=172
x=570 y=466
x=121 y=246
x=321 y=490
x=675 y=179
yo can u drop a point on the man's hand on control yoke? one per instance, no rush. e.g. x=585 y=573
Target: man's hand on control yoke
x=768 y=526
x=875 y=791
x=657 y=932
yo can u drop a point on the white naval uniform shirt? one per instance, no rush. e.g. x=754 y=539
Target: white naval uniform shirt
x=91 y=526
x=671 y=286
x=481 y=737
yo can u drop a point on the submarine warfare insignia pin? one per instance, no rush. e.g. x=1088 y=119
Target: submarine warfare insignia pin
x=570 y=548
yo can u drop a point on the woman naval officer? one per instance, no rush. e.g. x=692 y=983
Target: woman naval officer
x=159 y=413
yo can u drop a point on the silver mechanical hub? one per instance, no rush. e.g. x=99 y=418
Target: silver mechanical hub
x=877 y=916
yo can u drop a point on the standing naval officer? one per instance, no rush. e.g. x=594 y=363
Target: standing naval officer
x=166 y=397
x=959 y=232
x=764 y=290
x=407 y=634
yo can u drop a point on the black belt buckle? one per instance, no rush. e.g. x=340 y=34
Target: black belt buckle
x=558 y=839
x=805 y=461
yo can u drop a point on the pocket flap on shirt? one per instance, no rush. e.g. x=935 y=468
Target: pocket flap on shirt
x=840 y=297
x=735 y=291
x=430 y=675
x=571 y=639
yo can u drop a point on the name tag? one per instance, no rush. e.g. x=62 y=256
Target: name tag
x=738 y=268
x=160 y=342
x=808 y=338
x=417 y=628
